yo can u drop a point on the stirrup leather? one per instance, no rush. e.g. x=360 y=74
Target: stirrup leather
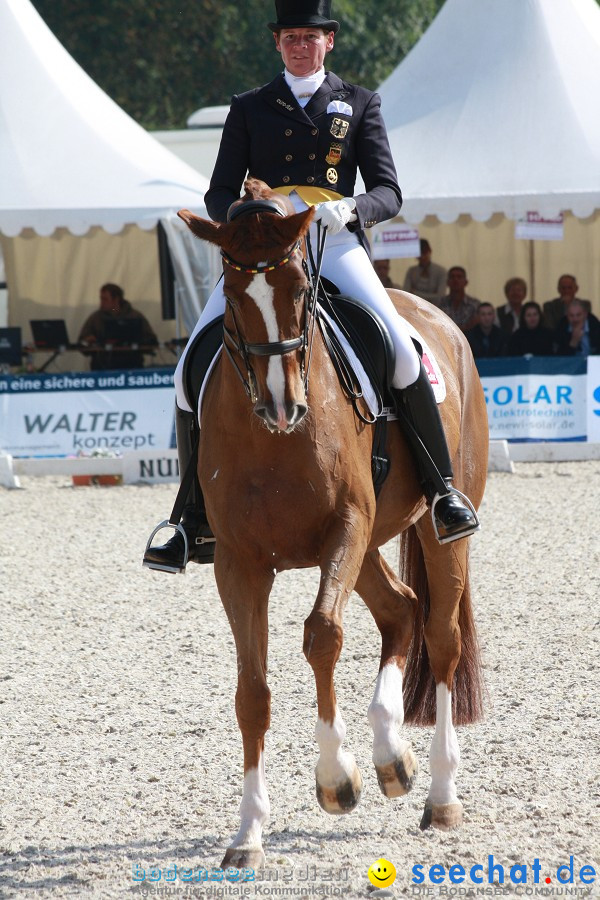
x=471 y=529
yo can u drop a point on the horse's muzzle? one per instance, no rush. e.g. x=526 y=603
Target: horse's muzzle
x=279 y=418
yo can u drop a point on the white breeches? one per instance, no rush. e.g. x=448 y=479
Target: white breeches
x=346 y=263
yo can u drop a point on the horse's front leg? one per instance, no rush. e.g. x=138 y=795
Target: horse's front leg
x=244 y=594
x=339 y=782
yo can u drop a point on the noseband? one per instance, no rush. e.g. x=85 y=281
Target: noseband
x=274 y=348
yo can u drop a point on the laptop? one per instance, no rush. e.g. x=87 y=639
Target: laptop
x=123 y=332
x=49 y=334
x=10 y=347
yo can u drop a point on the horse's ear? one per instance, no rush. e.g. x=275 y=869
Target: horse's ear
x=293 y=227
x=202 y=228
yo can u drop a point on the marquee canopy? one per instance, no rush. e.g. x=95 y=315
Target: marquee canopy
x=495 y=111
x=69 y=156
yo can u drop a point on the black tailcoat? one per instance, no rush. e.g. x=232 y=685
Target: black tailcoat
x=268 y=135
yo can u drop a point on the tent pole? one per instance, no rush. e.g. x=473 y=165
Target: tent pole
x=532 y=269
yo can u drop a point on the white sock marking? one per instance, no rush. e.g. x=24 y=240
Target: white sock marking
x=335 y=765
x=444 y=755
x=386 y=715
x=254 y=808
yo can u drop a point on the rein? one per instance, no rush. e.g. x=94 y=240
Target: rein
x=235 y=342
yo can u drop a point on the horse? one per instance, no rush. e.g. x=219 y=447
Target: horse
x=285 y=468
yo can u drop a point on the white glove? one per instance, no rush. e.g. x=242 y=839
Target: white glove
x=334 y=214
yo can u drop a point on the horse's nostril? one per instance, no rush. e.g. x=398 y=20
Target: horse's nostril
x=301 y=410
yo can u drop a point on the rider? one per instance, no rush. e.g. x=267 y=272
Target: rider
x=305 y=134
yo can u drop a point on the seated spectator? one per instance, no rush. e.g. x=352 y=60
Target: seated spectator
x=382 y=267
x=457 y=304
x=486 y=339
x=96 y=333
x=427 y=280
x=578 y=332
x=515 y=291
x=555 y=309
x=531 y=338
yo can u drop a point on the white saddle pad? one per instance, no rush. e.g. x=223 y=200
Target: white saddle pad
x=429 y=361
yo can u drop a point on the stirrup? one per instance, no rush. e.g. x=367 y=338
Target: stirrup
x=466 y=532
x=176 y=570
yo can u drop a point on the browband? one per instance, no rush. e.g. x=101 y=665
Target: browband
x=254 y=206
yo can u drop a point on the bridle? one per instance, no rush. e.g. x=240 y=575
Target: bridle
x=234 y=341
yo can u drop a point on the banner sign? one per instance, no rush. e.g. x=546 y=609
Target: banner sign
x=535 y=399
x=593 y=399
x=535 y=228
x=98 y=413
x=82 y=413
x=395 y=242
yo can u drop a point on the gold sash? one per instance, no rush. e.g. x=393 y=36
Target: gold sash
x=310 y=195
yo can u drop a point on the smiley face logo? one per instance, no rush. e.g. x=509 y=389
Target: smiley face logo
x=382 y=873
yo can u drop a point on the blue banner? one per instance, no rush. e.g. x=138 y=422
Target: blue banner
x=535 y=399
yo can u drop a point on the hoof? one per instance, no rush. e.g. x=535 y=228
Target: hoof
x=444 y=816
x=341 y=799
x=397 y=778
x=242 y=858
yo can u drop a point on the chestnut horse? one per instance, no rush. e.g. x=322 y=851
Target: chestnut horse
x=291 y=487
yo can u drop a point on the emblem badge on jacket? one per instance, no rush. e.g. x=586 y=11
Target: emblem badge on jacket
x=334 y=155
x=339 y=127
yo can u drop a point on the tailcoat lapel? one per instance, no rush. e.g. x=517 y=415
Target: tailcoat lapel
x=278 y=95
x=331 y=89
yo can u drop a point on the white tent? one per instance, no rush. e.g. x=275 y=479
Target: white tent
x=73 y=163
x=494 y=114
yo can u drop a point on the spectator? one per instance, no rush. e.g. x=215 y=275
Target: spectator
x=555 y=309
x=515 y=291
x=96 y=331
x=578 y=332
x=531 y=338
x=382 y=267
x=461 y=308
x=426 y=280
x=486 y=339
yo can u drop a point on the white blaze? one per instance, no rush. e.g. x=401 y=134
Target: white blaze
x=263 y=295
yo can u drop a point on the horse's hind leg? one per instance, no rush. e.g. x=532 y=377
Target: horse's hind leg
x=339 y=783
x=392 y=605
x=245 y=595
x=450 y=639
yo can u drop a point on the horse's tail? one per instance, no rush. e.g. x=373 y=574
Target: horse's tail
x=419 y=683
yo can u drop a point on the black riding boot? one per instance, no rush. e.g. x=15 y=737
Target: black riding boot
x=452 y=513
x=171 y=557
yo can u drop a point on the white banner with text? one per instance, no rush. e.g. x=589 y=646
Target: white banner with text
x=86 y=413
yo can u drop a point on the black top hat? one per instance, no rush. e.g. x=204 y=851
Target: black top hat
x=303 y=14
